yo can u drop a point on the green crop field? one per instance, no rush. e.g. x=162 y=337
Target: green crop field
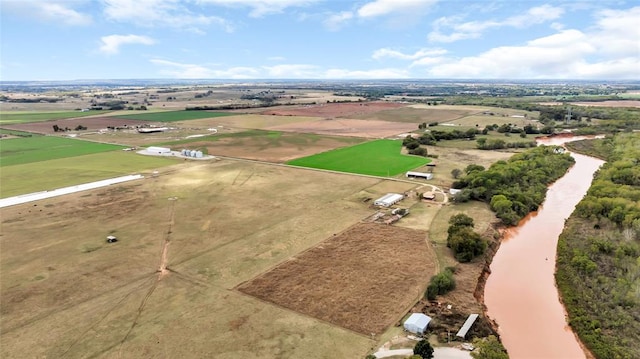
x=70 y=171
x=174 y=116
x=25 y=117
x=378 y=158
x=15 y=151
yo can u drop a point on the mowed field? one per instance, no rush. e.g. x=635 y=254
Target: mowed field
x=378 y=158
x=65 y=292
x=362 y=279
x=62 y=172
x=7 y=118
x=333 y=110
x=271 y=146
x=173 y=116
x=17 y=151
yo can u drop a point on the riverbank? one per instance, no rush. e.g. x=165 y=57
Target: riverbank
x=520 y=292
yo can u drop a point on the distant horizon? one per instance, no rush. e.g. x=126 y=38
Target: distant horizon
x=253 y=40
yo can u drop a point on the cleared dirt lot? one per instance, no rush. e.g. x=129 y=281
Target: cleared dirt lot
x=332 y=110
x=65 y=292
x=361 y=279
x=348 y=127
x=91 y=123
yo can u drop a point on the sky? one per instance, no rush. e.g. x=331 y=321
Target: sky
x=319 y=39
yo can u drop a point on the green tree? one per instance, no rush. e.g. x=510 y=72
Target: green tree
x=456 y=172
x=489 y=348
x=423 y=349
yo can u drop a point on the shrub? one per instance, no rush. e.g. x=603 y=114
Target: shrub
x=440 y=283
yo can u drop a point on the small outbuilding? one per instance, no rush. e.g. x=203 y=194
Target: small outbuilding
x=422 y=175
x=159 y=150
x=388 y=199
x=417 y=323
x=466 y=326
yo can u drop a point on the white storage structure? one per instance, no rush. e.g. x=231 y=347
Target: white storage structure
x=388 y=199
x=422 y=175
x=417 y=323
x=159 y=150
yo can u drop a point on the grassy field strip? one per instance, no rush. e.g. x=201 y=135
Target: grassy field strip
x=378 y=158
x=174 y=116
x=25 y=198
x=7 y=118
x=17 y=151
x=64 y=172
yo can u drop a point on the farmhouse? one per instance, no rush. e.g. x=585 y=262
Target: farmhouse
x=388 y=200
x=417 y=323
x=422 y=175
x=159 y=150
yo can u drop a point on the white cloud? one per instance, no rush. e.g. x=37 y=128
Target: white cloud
x=335 y=21
x=111 y=44
x=276 y=58
x=474 y=29
x=193 y=71
x=169 y=13
x=385 y=7
x=365 y=74
x=386 y=52
x=261 y=7
x=55 y=11
x=608 y=50
x=291 y=71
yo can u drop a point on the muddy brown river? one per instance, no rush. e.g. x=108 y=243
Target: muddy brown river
x=520 y=293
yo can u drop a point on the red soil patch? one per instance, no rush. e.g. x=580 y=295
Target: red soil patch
x=92 y=124
x=332 y=110
x=363 y=279
x=346 y=127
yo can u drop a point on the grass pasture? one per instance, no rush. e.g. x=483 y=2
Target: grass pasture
x=65 y=292
x=272 y=146
x=62 y=172
x=17 y=151
x=28 y=116
x=377 y=158
x=174 y=116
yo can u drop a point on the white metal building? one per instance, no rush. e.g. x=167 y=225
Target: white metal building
x=159 y=150
x=417 y=323
x=422 y=175
x=388 y=199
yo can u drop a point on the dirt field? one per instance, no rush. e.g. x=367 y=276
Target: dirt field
x=333 y=110
x=287 y=147
x=65 y=292
x=348 y=127
x=91 y=123
x=362 y=279
x=246 y=121
x=416 y=115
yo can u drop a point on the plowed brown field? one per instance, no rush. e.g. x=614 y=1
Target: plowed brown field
x=363 y=279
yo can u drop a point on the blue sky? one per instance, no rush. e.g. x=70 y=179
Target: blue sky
x=318 y=39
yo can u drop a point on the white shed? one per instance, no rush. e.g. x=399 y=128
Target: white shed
x=388 y=199
x=422 y=175
x=159 y=150
x=417 y=323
